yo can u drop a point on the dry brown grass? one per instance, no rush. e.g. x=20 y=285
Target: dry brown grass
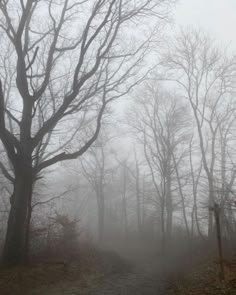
x=47 y=272
x=204 y=280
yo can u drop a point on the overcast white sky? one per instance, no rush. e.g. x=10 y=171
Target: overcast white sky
x=217 y=17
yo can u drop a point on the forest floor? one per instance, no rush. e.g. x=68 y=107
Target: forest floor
x=203 y=279
x=106 y=273
x=135 y=282
x=101 y=272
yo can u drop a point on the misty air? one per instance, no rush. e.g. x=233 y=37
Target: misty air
x=117 y=147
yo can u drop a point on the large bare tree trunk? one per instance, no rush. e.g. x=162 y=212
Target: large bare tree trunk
x=15 y=248
x=37 y=58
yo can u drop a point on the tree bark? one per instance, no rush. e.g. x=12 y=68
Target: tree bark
x=216 y=210
x=163 y=230
x=169 y=207
x=101 y=216
x=15 y=248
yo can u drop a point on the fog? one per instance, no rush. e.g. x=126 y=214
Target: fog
x=117 y=147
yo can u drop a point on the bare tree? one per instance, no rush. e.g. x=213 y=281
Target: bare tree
x=63 y=79
x=159 y=122
x=138 y=191
x=131 y=174
x=97 y=169
x=124 y=196
x=195 y=179
x=123 y=190
x=205 y=76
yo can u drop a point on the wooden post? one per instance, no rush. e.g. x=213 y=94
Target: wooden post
x=216 y=210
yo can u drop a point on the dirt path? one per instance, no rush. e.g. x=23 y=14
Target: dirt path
x=143 y=279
